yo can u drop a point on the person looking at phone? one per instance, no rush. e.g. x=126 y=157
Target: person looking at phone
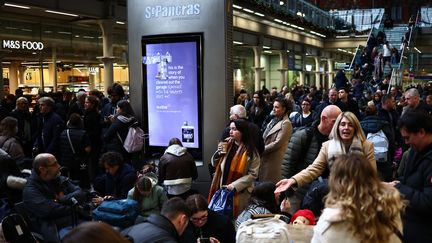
x=237 y=169
x=206 y=225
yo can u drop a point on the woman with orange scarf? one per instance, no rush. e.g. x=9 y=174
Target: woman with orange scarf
x=238 y=168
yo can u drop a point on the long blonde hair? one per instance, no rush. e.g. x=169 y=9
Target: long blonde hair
x=370 y=208
x=334 y=134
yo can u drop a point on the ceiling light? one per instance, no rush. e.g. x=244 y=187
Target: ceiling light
x=266 y=47
x=281 y=3
x=64 y=32
x=237 y=42
x=120 y=22
x=259 y=14
x=248 y=10
x=61 y=13
x=269 y=52
x=16 y=6
x=278 y=20
x=237 y=6
x=415 y=48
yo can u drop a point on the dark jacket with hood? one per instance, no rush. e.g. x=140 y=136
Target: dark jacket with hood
x=177 y=169
x=416 y=187
x=116 y=133
x=157 y=228
x=117 y=185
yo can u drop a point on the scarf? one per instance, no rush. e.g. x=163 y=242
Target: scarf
x=236 y=170
x=336 y=148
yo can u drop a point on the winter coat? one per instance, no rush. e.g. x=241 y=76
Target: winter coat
x=12 y=146
x=50 y=127
x=320 y=164
x=373 y=124
x=303 y=148
x=156 y=229
x=80 y=141
x=331 y=227
x=416 y=187
x=119 y=128
x=117 y=185
x=276 y=143
x=218 y=226
x=151 y=204
x=177 y=169
x=40 y=197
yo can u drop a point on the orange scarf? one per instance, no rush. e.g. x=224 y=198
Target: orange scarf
x=236 y=171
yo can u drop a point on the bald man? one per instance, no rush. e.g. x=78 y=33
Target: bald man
x=304 y=147
x=48 y=197
x=412 y=98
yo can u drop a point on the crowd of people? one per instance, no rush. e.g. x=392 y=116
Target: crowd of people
x=360 y=164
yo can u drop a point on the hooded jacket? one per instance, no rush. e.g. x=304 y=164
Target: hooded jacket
x=177 y=169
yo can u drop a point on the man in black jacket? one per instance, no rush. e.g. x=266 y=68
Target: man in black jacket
x=416 y=182
x=166 y=227
x=304 y=147
x=48 y=197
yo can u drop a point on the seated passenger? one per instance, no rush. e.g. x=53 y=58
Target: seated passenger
x=149 y=195
x=118 y=180
x=166 y=227
x=177 y=169
x=204 y=223
x=48 y=197
x=263 y=201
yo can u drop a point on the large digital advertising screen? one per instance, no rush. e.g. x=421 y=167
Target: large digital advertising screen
x=172 y=86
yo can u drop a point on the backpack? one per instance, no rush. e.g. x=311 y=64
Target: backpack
x=134 y=141
x=16 y=230
x=381 y=145
x=263 y=230
x=121 y=213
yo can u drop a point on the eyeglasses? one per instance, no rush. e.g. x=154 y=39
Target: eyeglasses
x=202 y=218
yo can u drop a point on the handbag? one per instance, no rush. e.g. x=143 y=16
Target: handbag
x=79 y=163
x=222 y=202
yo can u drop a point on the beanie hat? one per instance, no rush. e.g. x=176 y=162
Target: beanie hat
x=305 y=213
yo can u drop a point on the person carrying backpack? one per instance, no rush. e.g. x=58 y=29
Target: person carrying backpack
x=382 y=135
x=117 y=132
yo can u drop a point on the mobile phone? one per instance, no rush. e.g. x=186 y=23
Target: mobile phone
x=204 y=240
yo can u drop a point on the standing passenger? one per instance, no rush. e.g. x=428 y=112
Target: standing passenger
x=238 y=168
x=416 y=181
x=276 y=137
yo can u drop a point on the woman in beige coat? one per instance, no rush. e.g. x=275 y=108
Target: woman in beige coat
x=359 y=207
x=346 y=137
x=276 y=137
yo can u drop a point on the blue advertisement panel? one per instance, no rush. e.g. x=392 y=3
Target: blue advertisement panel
x=172 y=77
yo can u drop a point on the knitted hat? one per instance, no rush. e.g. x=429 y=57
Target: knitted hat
x=305 y=213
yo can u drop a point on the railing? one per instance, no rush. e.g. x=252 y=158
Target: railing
x=302 y=10
x=396 y=78
x=374 y=30
x=361 y=19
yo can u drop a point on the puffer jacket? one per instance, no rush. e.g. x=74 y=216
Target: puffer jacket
x=177 y=169
x=302 y=150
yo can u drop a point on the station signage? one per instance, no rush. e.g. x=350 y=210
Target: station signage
x=22 y=45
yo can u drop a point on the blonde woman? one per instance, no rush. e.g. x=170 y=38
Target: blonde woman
x=359 y=207
x=346 y=137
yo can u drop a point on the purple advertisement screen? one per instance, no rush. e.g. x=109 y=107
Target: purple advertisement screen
x=172 y=93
